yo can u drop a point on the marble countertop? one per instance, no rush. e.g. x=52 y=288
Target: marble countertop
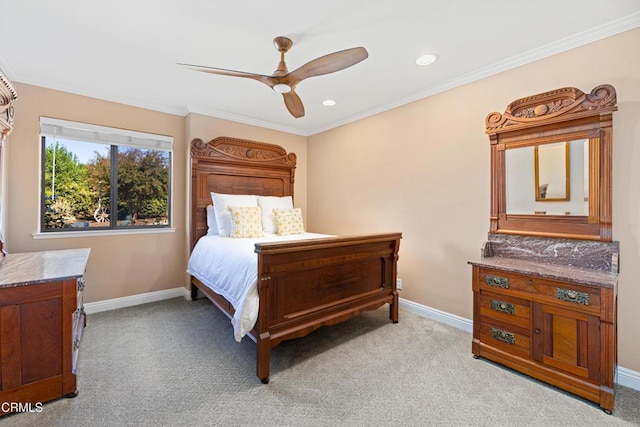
x=21 y=269
x=550 y=271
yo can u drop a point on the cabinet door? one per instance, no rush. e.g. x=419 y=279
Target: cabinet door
x=567 y=340
x=31 y=326
x=36 y=342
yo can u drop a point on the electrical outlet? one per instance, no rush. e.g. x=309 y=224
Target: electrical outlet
x=399 y=284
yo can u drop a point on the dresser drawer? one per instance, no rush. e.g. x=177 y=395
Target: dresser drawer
x=505 y=338
x=505 y=308
x=567 y=294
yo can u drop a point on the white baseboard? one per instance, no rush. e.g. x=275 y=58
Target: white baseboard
x=628 y=378
x=437 y=315
x=625 y=377
x=115 y=303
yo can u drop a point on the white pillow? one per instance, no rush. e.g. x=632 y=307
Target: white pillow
x=212 y=225
x=221 y=202
x=268 y=204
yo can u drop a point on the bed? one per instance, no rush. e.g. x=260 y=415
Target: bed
x=304 y=283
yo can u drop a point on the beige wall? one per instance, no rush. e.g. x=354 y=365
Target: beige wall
x=423 y=169
x=118 y=265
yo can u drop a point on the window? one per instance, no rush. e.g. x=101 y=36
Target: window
x=100 y=178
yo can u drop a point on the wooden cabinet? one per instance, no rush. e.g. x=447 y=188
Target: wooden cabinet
x=558 y=331
x=41 y=323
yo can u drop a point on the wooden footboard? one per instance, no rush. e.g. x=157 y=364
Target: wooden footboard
x=304 y=285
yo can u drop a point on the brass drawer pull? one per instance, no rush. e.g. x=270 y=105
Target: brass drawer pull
x=570 y=295
x=504 y=336
x=500 y=282
x=503 y=307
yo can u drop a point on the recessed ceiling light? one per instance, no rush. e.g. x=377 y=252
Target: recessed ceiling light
x=328 y=102
x=426 y=59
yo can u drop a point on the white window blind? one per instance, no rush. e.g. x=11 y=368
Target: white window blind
x=64 y=129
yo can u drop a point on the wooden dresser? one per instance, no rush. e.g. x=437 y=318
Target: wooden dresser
x=550 y=315
x=41 y=323
x=544 y=289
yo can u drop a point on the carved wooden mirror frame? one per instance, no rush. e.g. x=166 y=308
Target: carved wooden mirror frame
x=562 y=114
x=7 y=96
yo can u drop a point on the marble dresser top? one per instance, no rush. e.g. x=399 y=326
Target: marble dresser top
x=28 y=268
x=585 y=262
x=550 y=271
x=582 y=254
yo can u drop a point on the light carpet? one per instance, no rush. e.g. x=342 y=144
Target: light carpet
x=175 y=363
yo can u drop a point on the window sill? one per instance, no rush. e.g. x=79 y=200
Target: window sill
x=97 y=233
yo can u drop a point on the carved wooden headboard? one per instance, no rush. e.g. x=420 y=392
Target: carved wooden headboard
x=236 y=166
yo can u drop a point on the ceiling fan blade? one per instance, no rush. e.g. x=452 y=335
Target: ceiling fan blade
x=268 y=80
x=294 y=104
x=326 y=64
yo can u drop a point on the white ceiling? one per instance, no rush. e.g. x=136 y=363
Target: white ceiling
x=126 y=50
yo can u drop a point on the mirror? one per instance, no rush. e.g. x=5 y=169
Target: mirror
x=551 y=164
x=548 y=178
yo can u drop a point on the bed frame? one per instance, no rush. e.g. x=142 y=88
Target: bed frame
x=302 y=285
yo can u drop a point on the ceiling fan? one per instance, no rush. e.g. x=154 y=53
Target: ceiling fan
x=285 y=82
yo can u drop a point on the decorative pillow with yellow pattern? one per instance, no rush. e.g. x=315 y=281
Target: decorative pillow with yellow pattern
x=288 y=221
x=246 y=221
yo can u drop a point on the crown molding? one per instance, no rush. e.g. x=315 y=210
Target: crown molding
x=580 y=39
x=103 y=96
x=246 y=120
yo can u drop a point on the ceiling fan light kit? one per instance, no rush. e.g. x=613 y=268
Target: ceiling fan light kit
x=282 y=88
x=285 y=82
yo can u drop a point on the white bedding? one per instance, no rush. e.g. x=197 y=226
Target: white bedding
x=230 y=268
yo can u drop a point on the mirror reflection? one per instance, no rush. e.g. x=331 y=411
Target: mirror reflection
x=552 y=166
x=548 y=179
